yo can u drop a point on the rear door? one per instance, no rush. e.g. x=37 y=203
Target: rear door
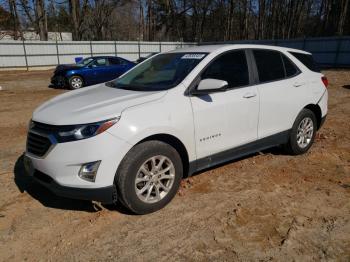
x=280 y=85
x=117 y=67
x=227 y=119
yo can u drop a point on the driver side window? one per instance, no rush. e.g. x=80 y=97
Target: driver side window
x=100 y=62
x=231 y=67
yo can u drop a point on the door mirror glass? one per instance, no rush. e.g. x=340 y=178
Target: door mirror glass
x=209 y=85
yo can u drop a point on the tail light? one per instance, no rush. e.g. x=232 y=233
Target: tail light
x=325 y=81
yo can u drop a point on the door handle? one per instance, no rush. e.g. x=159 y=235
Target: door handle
x=249 y=95
x=297 y=84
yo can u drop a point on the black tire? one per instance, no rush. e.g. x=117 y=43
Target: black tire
x=292 y=147
x=73 y=82
x=128 y=171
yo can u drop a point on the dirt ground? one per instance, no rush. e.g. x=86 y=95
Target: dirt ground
x=269 y=206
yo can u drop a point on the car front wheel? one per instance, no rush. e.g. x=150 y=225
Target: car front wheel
x=148 y=177
x=75 y=82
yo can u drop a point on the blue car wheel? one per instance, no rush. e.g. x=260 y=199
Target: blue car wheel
x=75 y=82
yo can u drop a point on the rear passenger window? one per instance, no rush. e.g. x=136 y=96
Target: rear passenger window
x=114 y=61
x=289 y=66
x=269 y=64
x=231 y=67
x=307 y=60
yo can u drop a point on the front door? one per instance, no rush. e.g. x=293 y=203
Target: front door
x=227 y=119
x=100 y=71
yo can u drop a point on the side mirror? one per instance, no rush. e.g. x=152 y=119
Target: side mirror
x=208 y=86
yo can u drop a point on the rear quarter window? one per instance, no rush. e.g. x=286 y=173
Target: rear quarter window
x=290 y=68
x=307 y=60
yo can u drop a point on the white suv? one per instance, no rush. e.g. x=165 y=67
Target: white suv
x=133 y=139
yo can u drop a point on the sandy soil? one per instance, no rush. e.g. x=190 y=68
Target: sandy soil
x=269 y=206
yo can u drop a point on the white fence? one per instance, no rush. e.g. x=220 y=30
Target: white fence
x=327 y=51
x=17 y=54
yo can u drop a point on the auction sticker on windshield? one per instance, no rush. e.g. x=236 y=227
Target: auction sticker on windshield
x=193 y=56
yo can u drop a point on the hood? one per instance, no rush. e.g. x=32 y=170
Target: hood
x=63 y=68
x=91 y=104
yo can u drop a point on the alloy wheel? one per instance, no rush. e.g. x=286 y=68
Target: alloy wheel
x=154 y=179
x=305 y=132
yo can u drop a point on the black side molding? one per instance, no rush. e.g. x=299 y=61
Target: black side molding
x=237 y=152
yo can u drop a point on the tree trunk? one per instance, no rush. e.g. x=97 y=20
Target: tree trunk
x=40 y=18
x=141 y=22
x=344 y=9
x=74 y=7
x=16 y=25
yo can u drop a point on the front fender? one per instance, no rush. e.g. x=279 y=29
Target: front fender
x=70 y=73
x=167 y=115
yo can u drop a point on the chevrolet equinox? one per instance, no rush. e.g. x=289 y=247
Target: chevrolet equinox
x=133 y=139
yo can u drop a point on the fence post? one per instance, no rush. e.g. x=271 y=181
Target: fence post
x=58 y=55
x=138 y=44
x=90 y=48
x=337 y=51
x=115 y=48
x=25 y=54
x=160 y=47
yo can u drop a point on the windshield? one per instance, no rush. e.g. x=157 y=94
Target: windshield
x=85 y=61
x=161 y=72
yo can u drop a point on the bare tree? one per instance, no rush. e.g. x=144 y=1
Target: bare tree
x=343 y=16
x=36 y=16
x=188 y=20
x=78 y=15
x=15 y=19
x=41 y=19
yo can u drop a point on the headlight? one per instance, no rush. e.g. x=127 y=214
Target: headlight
x=84 y=131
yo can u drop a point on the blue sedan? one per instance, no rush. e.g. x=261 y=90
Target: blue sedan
x=90 y=71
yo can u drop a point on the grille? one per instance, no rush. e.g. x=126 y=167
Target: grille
x=50 y=129
x=44 y=128
x=37 y=144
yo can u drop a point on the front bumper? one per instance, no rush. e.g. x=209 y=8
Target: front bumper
x=59 y=169
x=106 y=195
x=59 y=81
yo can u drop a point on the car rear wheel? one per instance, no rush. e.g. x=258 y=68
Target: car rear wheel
x=75 y=82
x=303 y=133
x=148 y=177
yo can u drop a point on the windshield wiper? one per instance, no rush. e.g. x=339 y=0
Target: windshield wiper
x=128 y=87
